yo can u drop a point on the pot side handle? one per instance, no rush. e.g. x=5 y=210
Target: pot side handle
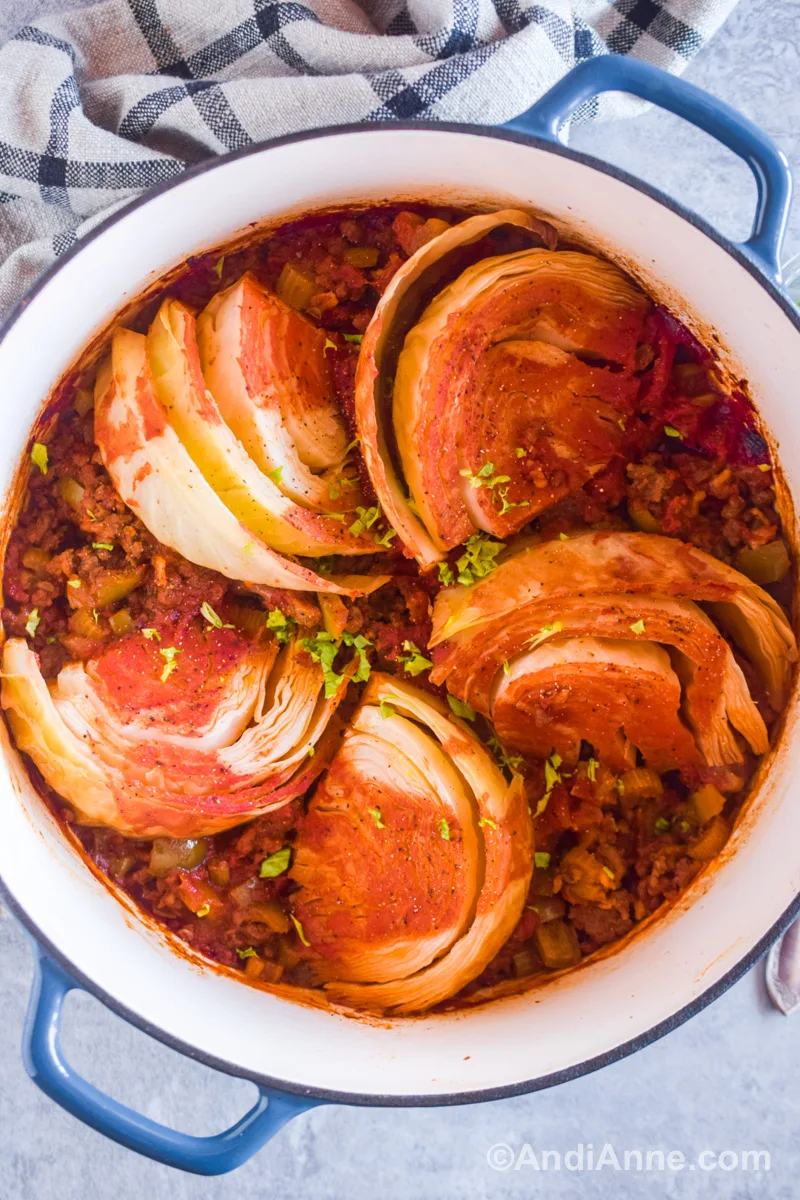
x=618 y=73
x=48 y=1068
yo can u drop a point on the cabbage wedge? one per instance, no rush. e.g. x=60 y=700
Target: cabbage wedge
x=627 y=588
x=267 y=367
x=495 y=417
x=180 y=740
x=157 y=477
x=414 y=859
x=431 y=268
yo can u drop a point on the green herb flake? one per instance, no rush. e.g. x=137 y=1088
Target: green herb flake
x=323 y=648
x=386 y=538
x=276 y=475
x=275 y=864
x=39 y=456
x=355 y=338
x=564 y=537
x=94 y=614
x=248 y=953
x=444 y=829
x=203 y=910
x=414 y=662
x=506 y=668
x=218 y=265
x=248 y=548
x=355 y=442
x=541 y=860
x=152 y=634
x=544 y=633
x=73 y=583
x=170 y=653
x=506 y=505
x=662 y=825
x=311 y=752
x=386 y=708
x=102 y=546
x=487 y=821
x=607 y=871
x=520 y=451
x=620 y=786
x=621 y=423
x=478 y=559
x=299 y=929
x=375 y=813
x=504 y=759
x=360 y=645
x=638 y=626
x=551 y=778
x=446 y=574
x=32 y=623
x=214 y=621
x=280 y=624
x=764 y=467
x=366 y=518
x=591 y=769
x=460 y=708
x=329 y=345
x=671 y=431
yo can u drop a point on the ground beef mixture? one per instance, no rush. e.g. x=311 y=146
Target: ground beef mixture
x=81 y=570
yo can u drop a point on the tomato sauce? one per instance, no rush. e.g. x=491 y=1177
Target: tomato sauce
x=81 y=571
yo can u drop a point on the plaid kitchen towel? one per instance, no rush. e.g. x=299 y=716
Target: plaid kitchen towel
x=99 y=103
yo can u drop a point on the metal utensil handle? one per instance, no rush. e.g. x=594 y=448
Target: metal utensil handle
x=615 y=73
x=48 y=1068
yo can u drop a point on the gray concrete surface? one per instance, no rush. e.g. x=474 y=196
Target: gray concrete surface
x=724 y=1082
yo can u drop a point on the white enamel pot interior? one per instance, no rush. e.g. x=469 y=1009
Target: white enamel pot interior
x=606 y=1007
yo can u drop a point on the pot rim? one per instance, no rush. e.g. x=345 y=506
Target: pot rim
x=373 y=1100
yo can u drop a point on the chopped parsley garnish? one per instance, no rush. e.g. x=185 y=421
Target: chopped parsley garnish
x=520 y=451
x=249 y=952
x=545 y=632
x=446 y=574
x=366 y=518
x=541 y=860
x=150 y=634
x=414 y=662
x=510 y=761
x=102 y=546
x=39 y=456
x=218 y=265
x=551 y=778
x=324 y=647
x=506 y=505
x=444 y=829
x=170 y=653
x=275 y=864
x=564 y=537
x=32 y=623
x=355 y=442
x=591 y=769
x=621 y=423
x=73 y=583
x=764 y=467
x=281 y=625
x=460 y=708
x=214 y=621
x=203 y=910
x=607 y=871
x=662 y=825
x=299 y=929
x=638 y=626
x=248 y=548
x=620 y=786
x=329 y=345
x=94 y=614
x=487 y=821
x=506 y=667
x=355 y=338
x=311 y=752
x=477 y=561
x=375 y=813
x=276 y=475
x=386 y=708
x=485 y=477
x=386 y=538
x=671 y=431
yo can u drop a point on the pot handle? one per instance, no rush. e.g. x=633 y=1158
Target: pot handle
x=618 y=73
x=48 y=1068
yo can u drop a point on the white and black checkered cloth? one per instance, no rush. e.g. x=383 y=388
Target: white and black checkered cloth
x=100 y=103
